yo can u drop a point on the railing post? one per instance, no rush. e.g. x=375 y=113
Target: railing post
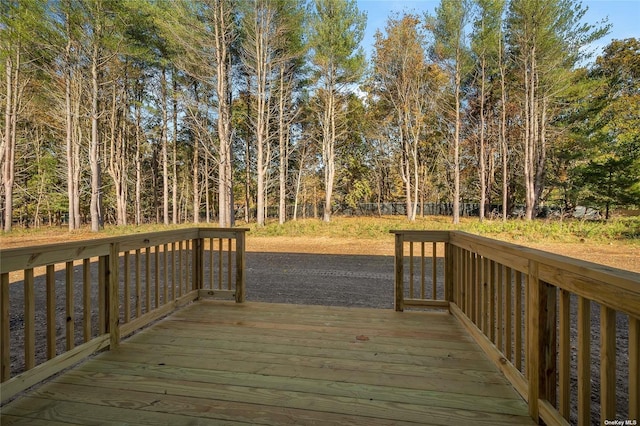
x=112 y=300
x=399 y=272
x=240 y=258
x=542 y=341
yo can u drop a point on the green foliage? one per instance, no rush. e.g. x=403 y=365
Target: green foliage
x=336 y=30
x=610 y=126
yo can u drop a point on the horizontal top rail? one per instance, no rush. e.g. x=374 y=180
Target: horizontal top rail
x=40 y=255
x=423 y=236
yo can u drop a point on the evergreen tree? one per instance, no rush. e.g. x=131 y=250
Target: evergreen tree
x=336 y=30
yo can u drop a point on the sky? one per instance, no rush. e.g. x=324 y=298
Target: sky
x=623 y=15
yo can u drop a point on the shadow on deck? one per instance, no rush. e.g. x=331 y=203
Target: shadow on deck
x=266 y=363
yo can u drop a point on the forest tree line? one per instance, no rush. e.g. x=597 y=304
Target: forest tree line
x=171 y=111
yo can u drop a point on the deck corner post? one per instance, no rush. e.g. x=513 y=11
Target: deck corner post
x=113 y=301
x=399 y=272
x=542 y=341
x=240 y=261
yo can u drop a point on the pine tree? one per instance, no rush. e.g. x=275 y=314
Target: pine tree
x=336 y=30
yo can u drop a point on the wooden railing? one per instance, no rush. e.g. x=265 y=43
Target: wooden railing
x=534 y=315
x=60 y=303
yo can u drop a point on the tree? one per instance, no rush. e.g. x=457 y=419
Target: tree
x=270 y=49
x=204 y=33
x=336 y=30
x=546 y=38
x=486 y=44
x=451 y=50
x=18 y=21
x=224 y=35
x=402 y=78
x=610 y=172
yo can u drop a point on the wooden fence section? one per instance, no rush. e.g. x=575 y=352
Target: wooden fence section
x=62 y=302
x=535 y=315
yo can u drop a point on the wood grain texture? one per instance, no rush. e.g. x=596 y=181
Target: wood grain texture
x=226 y=363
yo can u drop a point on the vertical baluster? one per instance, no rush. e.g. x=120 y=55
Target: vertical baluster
x=634 y=368
x=29 y=320
x=411 y=270
x=564 y=354
x=211 y=268
x=219 y=263
x=86 y=299
x=51 y=311
x=127 y=286
x=138 y=284
x=180 y=268
x=399 y=272
x=477 y=282
x=491 y=327
x=607 y=364
x=485 y=297
x=69 y=299
x=156 y=276
x=165 y=274
x=229 y=263
x=422 y=274
x=508 y=306
x=518 y=314
x=584 y=361
x=5 y=336
x=434 y=271
x=240 y=261
x=147 y=280
x=499 y=308
x=173 y=270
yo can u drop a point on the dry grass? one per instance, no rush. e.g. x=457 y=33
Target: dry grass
x=615 y=243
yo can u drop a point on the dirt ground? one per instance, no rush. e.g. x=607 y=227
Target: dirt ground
x=618 y=255
x=615 y=254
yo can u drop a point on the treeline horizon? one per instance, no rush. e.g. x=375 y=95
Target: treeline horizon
x=135 y=111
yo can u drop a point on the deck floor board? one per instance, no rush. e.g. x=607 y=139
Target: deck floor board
x=260 y=363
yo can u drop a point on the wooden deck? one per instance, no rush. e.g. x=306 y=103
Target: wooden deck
x=223 y=363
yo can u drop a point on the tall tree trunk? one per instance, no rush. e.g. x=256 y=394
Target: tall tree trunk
x=530 y=134
x=503 y=136
x=456 y=145
x=8 y=156
x=482 y=160
x=207 y=196
x=164 y=148
x=94 y=155
x=174 y=159
x=222 y=27
x=328 y=149
x=116 y=156
x=138 y=158
x=282 y=210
